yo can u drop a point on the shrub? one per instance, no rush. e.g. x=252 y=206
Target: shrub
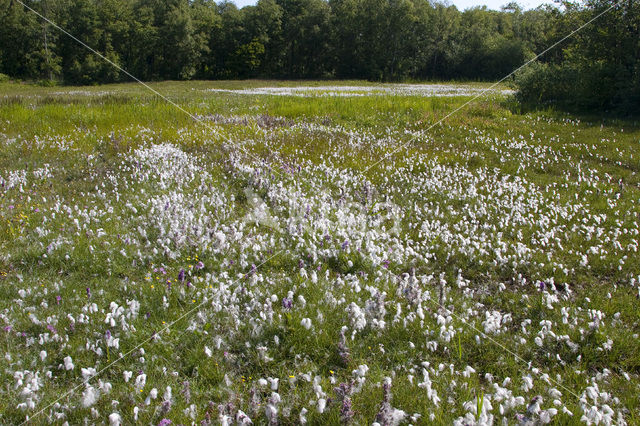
x=575 y=86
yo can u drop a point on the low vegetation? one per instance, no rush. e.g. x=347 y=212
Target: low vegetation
x=314 y=255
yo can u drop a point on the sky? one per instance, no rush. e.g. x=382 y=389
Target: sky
x=460 y=4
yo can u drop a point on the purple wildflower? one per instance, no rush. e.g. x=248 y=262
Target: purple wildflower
x=165 y=408
x=207 y=419
x=344 y=391
x=541 y=284
x=345 y=244
x=199 y=265
x=52 y=329
x=287 y=303
x=164 y=422
x=88 y=293
x=58 y=299
x=384 y=416
x=346 y=413
x=181 y=275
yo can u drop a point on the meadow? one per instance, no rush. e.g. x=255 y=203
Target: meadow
x=315 y=253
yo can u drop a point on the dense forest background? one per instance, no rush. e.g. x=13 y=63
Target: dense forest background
x=384 y=40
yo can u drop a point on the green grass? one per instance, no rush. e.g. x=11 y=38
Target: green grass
x=581 y=175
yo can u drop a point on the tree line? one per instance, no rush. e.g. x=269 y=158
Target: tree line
x=382 y=40
x=185 y=39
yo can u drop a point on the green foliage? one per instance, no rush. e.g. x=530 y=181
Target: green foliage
x=541 y=84
x=599 y=70
x=181 y=39
x=251 y=54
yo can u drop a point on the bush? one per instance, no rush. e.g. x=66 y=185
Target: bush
x=599 y=71
x=4 y=78
x=47 y=83
x=542 y=84
x=595 y=87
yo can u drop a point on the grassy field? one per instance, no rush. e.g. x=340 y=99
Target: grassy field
x=317 y=255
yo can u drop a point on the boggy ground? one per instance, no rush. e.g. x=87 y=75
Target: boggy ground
x=257 y=261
